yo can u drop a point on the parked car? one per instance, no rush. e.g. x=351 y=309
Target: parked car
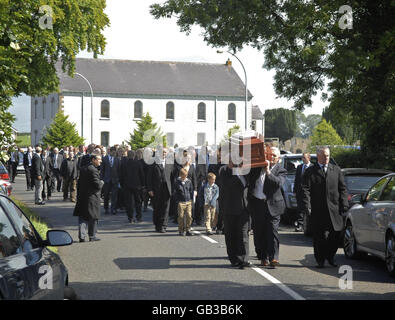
x=4 y=172
x=5 y=187
x=290 y=162
x=359 y=180
x=28 y=269
x=370 y=223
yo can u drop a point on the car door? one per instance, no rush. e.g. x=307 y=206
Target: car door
x=12 y=261
x=42 y=274
x=381 y=215
x=372 y=204
x=362 y=216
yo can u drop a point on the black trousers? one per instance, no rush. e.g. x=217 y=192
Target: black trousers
x=133 y=201
x=161 y=204
x=12 y=170
x=236 y=237
x=58 y=178
x=220 y=221
x=110 y=189
x=265 y=227
x=47 y=187
x=29 y=180
x=325 y=242
x=299 y=215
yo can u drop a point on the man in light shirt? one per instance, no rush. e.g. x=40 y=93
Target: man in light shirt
x=266 y=205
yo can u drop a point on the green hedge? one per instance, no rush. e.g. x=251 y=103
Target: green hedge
x=39 y=225
x=349 y=158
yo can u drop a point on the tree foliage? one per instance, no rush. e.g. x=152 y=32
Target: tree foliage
x=62 y=133
x=146 y=134
x=305 y=125
x=306 y=45
x=324 y=135
x=280 y=123
x=31 y=42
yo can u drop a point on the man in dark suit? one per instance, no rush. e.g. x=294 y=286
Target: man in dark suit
x=88 y=199
x=57 y=160
x=266 y=205
x=300 y=170
x=37 y=176
x=47 y=178
x=159 y=183
x=13 y=164
x=234 y=205
x=325 y=197
x=201 y=171
x=27 y=164
x=133 y=180
x=109 y=173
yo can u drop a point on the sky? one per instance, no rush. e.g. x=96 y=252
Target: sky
x=134 y=34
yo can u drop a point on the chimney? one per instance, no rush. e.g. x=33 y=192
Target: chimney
x=228 y=63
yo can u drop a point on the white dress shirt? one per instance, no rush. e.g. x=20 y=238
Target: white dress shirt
x=258 y=191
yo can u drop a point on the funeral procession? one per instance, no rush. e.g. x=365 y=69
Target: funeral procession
x=197 y=158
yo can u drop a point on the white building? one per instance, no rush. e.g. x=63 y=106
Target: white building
x=192 y=103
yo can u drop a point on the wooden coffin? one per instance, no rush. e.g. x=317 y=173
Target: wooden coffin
x=259 y=153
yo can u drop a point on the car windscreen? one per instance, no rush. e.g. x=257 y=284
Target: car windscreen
x=360 y=182
x=290 y=164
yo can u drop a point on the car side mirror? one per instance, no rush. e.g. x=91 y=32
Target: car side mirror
x=357 y=198
x=58 y=238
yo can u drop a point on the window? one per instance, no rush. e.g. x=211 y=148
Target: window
x=105 y=138
x=201 y=138
x=388 y=193
x=170 y=111
x=138 y=109
x=9 y=242
x=170 y=139
x=231 y=112
x=374 y=192
x=35 y=109
x=53 y=110
x=201 y=111
x=22 y=224
x=105 y=109
x=44 y=103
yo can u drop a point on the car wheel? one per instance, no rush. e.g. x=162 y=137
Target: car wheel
x=390 y=255
x=69 y=294
x=306 y=225
x=350 y=243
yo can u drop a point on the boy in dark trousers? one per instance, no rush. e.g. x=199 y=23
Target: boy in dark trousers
x=183 y=195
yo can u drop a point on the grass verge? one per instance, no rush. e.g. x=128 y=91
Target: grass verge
x=39 y=225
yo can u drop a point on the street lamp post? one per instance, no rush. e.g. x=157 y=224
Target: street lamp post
x=90 y=87
x=246 y=91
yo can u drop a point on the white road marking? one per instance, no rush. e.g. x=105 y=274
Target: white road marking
x=282 y=286
x=264 y=274
x=205 y=237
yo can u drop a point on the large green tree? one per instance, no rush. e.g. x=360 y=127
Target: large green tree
x=280 y=123
x=146 y=134
x=62 y=133
x=324 y=135
x=35 y=34
x=310 y=44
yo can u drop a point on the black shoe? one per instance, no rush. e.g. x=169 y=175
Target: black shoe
x=332 y=262
x=181 y=233
x=82 y=240
x=163 y=230
x=139 y=220
x=41 y=203
x=94 y=239
x=189 y=233
x=219 y=231
x=130 y=220
x=210 y=233
x=320 y=264
x=245 y=264
x=299 y=229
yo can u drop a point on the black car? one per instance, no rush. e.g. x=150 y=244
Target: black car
x=28 y=269
x=359 y=180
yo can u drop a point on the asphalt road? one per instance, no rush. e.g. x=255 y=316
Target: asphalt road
x=133 y=262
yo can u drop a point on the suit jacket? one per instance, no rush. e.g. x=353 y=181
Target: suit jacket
x=233 y=194
x=88 y=196
x=108 y=173
x=325 y=194
x=26 y=159
x=132 y=174
x=69 y=168
x=59 y=160
x=298 y=178
x=48 y=166
x=271 y=188
x=157 y=176
x=37 y=166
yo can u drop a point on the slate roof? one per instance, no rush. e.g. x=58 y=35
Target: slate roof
x=154 y=78
x=256 y=113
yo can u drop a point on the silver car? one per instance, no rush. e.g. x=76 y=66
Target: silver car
x=370 y=223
